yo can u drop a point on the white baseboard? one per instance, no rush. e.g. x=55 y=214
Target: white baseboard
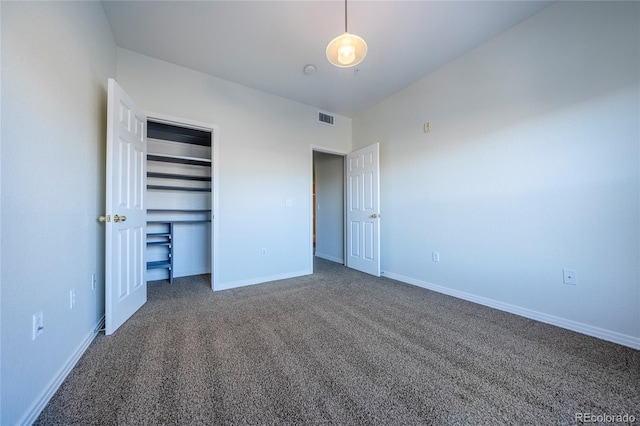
x=43 y=399
x=260 y=280
x=331 y=258
x=611 y=336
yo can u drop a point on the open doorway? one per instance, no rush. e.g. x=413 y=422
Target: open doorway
x=328 y=193
x=179 y=199
x=346 y=186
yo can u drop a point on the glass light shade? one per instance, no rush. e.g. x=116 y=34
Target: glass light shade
x=346 y=50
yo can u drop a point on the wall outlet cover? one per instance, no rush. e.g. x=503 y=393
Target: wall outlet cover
x=38 y=325
x=570 y=276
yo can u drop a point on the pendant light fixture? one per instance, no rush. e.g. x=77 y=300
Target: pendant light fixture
x=346 y=50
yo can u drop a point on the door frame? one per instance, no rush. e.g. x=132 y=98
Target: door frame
x=215 y=159
x=343 y=154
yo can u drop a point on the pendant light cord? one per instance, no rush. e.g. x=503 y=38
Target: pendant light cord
x=345 y=16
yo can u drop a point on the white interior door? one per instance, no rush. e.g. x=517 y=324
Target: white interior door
x=363 y=217
x=125 y=274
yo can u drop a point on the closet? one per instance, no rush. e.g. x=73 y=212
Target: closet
x=179 y=200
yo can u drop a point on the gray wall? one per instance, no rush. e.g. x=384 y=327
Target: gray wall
x=329 y=178
x=56 y=58
x=531 y=166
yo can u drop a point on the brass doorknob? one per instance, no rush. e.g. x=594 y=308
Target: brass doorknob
x=117 y=218
x=374 y=215
x=103 y=219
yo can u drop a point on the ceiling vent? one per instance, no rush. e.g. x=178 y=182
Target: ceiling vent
x=325 y=118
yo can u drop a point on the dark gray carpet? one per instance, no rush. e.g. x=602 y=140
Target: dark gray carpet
x=339 y=347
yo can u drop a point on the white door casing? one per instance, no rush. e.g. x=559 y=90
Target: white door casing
x=125 y=240
x=363 y=217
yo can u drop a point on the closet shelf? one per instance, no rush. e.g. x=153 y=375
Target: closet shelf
x=178 y=221
x=162 y=237
x=178 y=176
x=169 y=132
x=164 y=264
x=167 y=158
x=158 y=243
x=178 y=188
x=159 y=234
x=177 y=211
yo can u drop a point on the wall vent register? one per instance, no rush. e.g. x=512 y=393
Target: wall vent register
x=325 y=118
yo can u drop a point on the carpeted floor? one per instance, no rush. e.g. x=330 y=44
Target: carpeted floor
x=339 y=347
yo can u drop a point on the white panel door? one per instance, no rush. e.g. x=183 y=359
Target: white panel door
x=363 y=218
x=125 y=265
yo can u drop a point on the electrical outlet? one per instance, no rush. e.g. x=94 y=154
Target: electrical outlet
x=264 y=251
x=72 y=298
x=570 y=276
x=435 y=256
x=37 y=325
x=93 y=281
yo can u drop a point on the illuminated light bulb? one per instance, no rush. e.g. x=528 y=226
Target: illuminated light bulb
x=346 y=54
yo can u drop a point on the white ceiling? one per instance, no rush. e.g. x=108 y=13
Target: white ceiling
x=265 y=44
